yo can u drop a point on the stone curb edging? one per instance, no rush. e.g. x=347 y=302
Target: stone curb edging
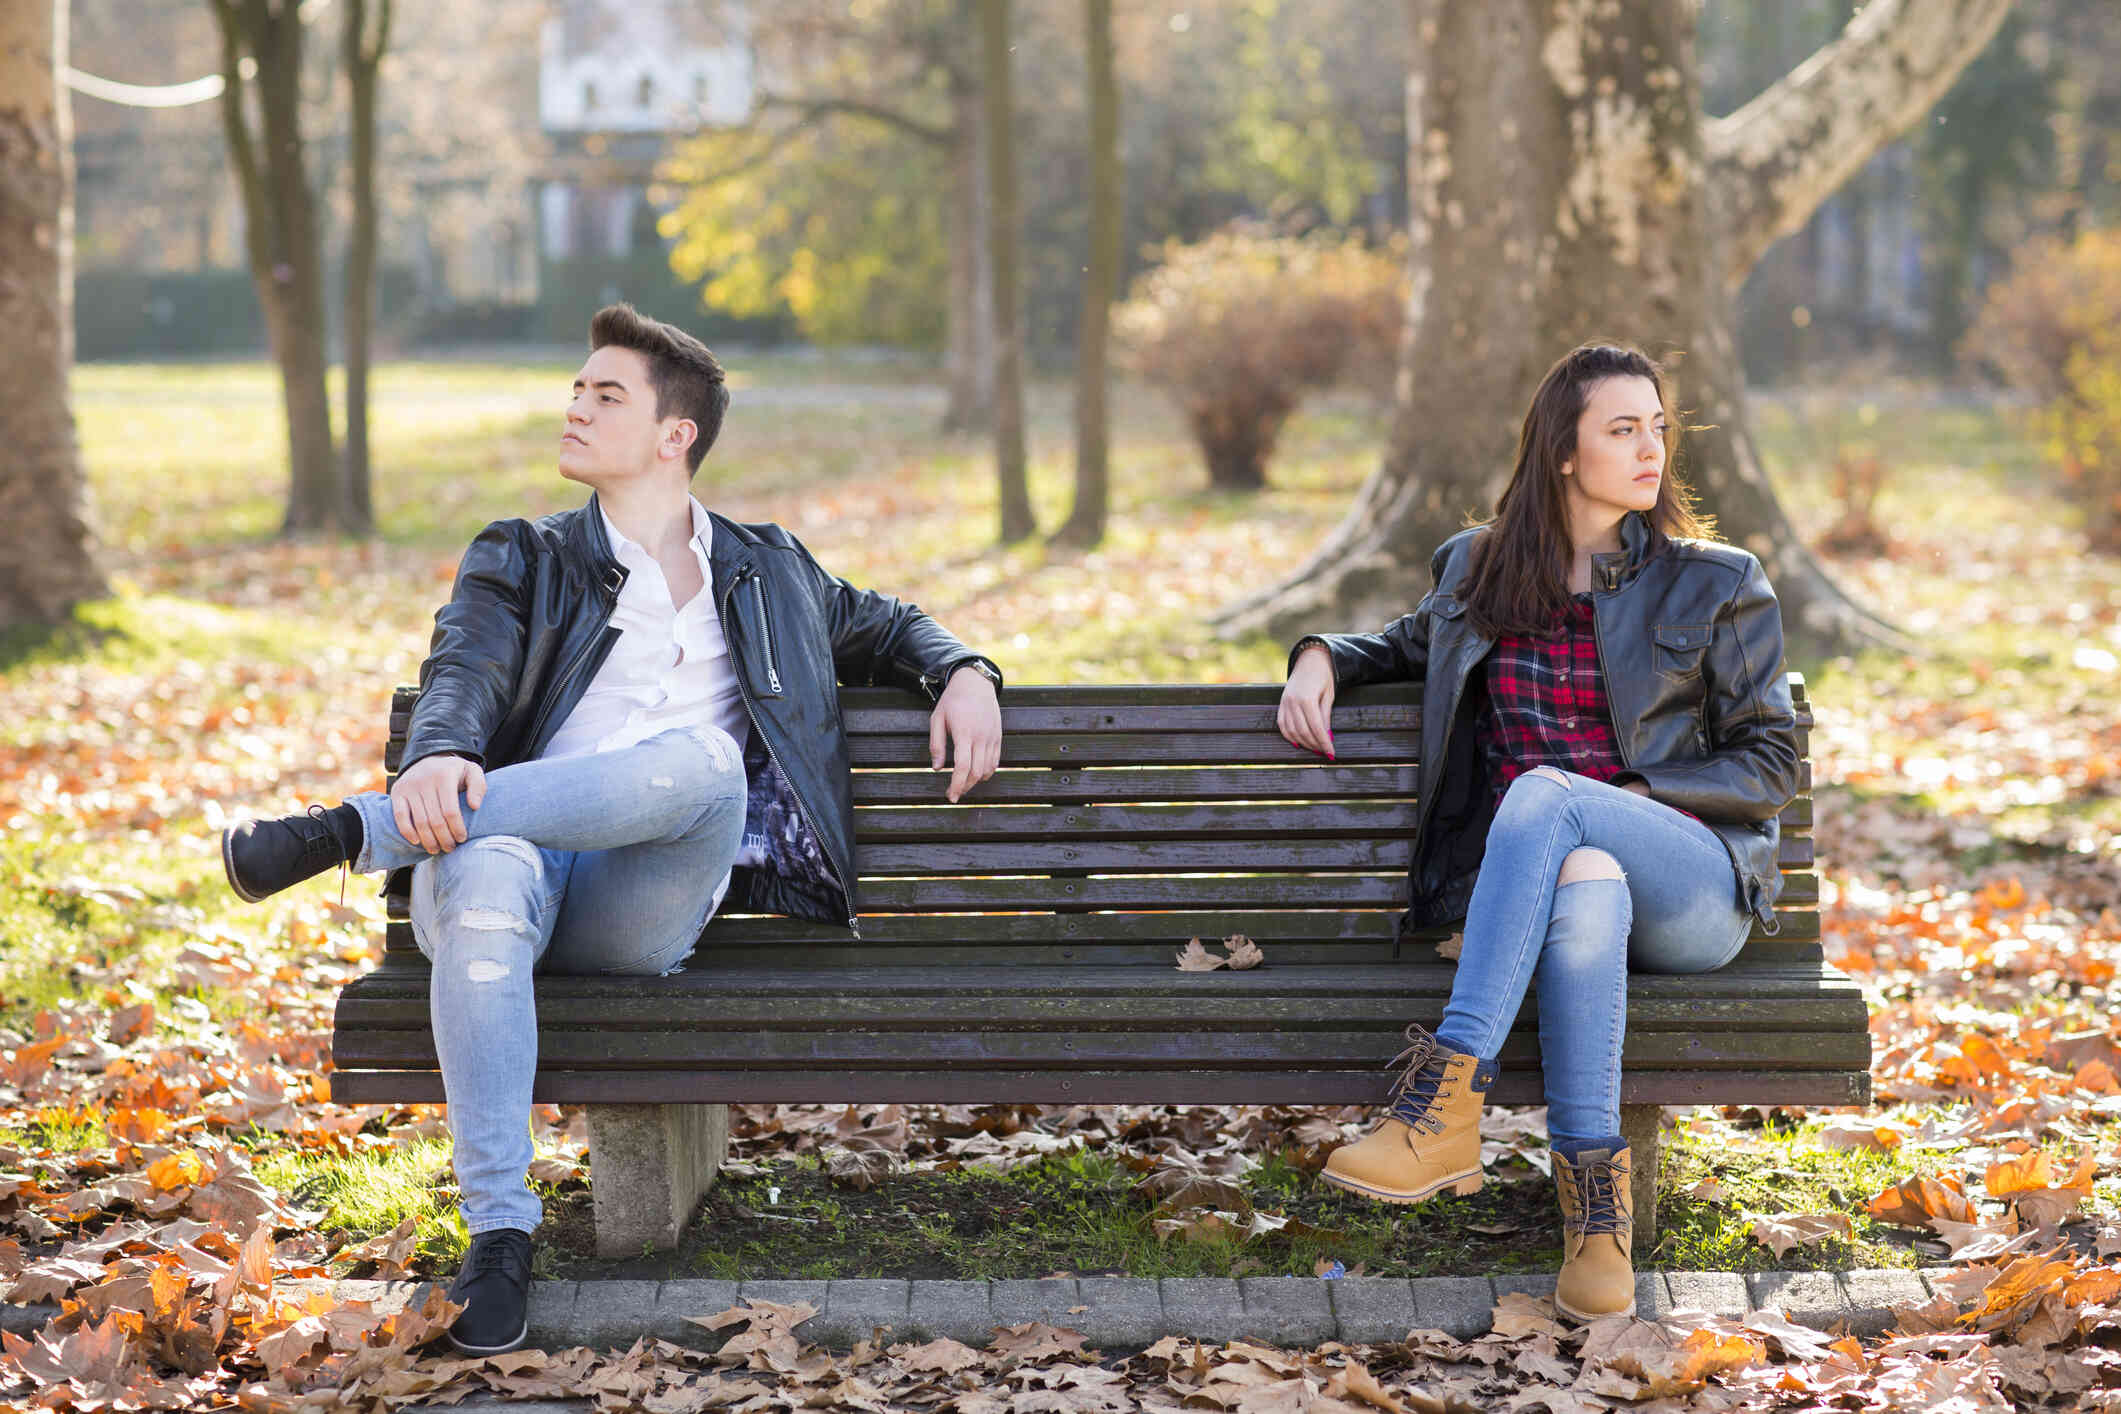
x=1117 y=1314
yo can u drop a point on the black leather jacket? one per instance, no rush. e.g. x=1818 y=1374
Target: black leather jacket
x=1691 y=643
x=528 y=625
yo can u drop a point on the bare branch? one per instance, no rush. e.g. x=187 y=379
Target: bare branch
x=931 y=133
x=771 y=148
x=1771 y=163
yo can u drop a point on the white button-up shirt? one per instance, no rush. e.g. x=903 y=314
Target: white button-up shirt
x=670 y=666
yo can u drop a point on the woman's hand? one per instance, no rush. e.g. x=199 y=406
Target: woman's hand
x=1306 y=714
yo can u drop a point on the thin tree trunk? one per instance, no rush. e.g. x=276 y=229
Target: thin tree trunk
x=1085 y=525
x=968 y=339
x=47 y=555
x=1016 y=518
x=286 y=260
x=1626 y=215
x=363 y=56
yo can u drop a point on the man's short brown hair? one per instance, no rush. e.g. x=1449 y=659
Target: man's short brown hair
x=687 y=379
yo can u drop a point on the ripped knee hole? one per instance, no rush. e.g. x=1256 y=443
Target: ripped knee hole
x=1582 y=865
x=1552 y=773
x=485 y=969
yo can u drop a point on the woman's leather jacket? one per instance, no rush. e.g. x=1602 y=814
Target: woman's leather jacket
x=529 y=623
x=1691 y=642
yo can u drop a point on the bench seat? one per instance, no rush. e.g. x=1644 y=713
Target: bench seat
x=1019 y=948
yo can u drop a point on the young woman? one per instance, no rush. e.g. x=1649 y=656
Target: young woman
x=1607 y=742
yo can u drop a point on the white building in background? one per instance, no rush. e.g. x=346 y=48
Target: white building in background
x=618 y=81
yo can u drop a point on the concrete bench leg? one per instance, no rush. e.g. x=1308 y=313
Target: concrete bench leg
x=649 y=1165
x=1638 y=1125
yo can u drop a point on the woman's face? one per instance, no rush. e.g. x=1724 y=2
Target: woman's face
x=1619 y=461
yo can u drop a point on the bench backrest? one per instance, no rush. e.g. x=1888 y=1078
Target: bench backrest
x=1126 y=820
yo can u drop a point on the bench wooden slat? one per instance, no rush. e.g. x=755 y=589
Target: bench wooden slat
x=1148 y=748
x=1199 y=1086
x=1164 y=891
x=944 y=858
x=1319 y=819
x=1280 y=994
x=940 y=1047
x=1129 y=786
x=800 y=938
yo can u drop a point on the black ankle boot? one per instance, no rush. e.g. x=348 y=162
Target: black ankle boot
x=263 y=857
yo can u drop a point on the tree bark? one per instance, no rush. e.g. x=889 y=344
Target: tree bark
x=1085 y=525
x=1771 y=163
x=286 y=259
x=1625 y=215
x=1016 y=518
x=362 y=47
x=968 y=337
x=47 y=556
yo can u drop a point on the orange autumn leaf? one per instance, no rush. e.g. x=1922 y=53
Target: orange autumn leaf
x=140 y=1126
x=2020 y=1286
x=2097 y=1076
x=1914 y=1201
x=2097 y=1287
x=2025 y=1174
x=176 y=1170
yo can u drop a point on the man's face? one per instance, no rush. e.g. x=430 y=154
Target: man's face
x=612 y=434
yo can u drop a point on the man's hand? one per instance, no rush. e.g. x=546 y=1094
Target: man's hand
x=424 y=801
x=967 y=725
x=1306 y=715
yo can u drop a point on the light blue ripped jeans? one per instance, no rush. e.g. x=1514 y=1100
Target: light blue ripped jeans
x=1677 y=909
x=582 y=865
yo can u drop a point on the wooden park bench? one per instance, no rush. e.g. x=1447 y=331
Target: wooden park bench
x=1019 y=948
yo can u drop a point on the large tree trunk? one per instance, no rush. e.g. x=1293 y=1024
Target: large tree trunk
x=362 y=46
x=1016 y=518
x=286 y=259
x=1566 y=186
x=1085 y=525
x=968 y=337
x=47 y=553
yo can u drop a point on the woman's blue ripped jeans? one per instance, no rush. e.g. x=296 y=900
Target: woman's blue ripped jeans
x=1676 y=909
x=584 y=865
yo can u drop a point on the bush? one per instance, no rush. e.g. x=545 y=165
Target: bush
x=2053 y=329
x=181 y=313
x=1238 y=328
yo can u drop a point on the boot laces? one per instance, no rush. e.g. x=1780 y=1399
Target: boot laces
x=1598 y=1198
x=1414 y=1094
x=322 y=843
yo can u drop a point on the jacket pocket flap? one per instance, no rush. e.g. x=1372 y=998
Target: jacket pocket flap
x=1682 y=637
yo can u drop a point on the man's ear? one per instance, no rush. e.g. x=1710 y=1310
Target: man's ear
x=678 y=439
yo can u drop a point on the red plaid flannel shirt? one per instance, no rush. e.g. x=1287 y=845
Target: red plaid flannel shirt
x=1547 y=704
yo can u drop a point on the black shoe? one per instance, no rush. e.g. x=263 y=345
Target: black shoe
x=493 y=1285
x=263 y=857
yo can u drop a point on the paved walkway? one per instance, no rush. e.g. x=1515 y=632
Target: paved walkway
x=1118 y=1314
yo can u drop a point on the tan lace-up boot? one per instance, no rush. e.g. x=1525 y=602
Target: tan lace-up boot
x=1429 y=1140
x=1597 y=1234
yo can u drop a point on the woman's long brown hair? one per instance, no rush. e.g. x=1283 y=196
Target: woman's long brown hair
x=1519 y=579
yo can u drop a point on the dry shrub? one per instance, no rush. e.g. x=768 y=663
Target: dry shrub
x=1239 y=327
x=1859 y=475
x=2053 y=329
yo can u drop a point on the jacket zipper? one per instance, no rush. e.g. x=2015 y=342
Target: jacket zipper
x=566 y=674
x=773 y=670
x=773 y=678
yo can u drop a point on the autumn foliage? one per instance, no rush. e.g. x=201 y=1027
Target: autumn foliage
x=2053 y=328
x=1240 y=327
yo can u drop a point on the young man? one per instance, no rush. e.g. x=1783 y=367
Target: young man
x=611 y=694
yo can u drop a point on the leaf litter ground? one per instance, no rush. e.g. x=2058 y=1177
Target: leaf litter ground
x=166 y=1154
